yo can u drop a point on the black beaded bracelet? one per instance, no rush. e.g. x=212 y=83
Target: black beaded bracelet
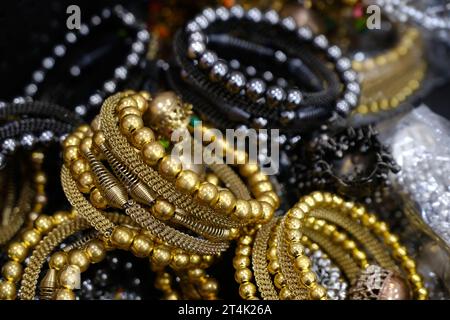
x=134 y=57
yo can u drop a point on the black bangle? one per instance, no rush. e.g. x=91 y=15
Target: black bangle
x=133 y=59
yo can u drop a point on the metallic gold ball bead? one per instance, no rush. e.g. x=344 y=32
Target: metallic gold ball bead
x=208 y=193
x=247 y=290
x=246 y=240
x=349 y=244
x=142 y=103
x=126 y=103
x=294 y=236
x=97 y=199
x=208 y=259
x=142 y=246
x=142 y=136
x=153 y=152
x=390 y=239
x=226 y=201
x=58 y=260
x=71 y=153
x=380 y=227
x=400 y=252
x=60 y=217
x=12 y=271
x=409 y=264
x=267 y=212
x=242 y=210
x=296 y=249
x=71 y=140
x=170 y=167
x=240 y=262
x=99 y=140
x=267 y=199
x=163 y=281
x=195 y=259
x=122 y=237
x=78 y=167
x=329 y=229
x=84 y=128
x=243 y=250
x=161 y=255
x=209 y=287
x=188 y=181
x=79 y=134
x=296 y=213
x=233 y=233
x=163 y=210
x=302 y=263
x=31 y=238
x=7 y=290
x=248 y=169
x=279 y=281
x=422 y=294
x=308 y=278
x=129 y=111
x=86 y=145
x=180 y=261
x=293 y=223
x=273 y=266
x=40 y=178
x=17 y=251
x=146 y=95
x=65 y=294
x=318 y=293
x=130 y=123
x=359 y=255
x=172 y=296
x=256 y=178
x=286 y=294
x=368 y=219
x=86 y=182
x=272 y=253
x=262 y=187
x=255 y=209
x=70 y=277
x=274 y=196
x=243 y=275
x=212 y=178
x=196 y=273
x=95 y=250
x=79 y=258
x=96 y=123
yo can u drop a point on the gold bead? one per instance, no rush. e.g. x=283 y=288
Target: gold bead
x=64 y=294
x=79 y=135
x=142 y=136
x=255 y=209
x=400 y=252
x=95 y=250
x=209 y=287
x=196 y=273
x=70 y=277
x=195 y=259
x=163 y=210
x=129 y=111
x=293 y=235
x=212 y=178
x=273 y=266
x=390 y=239
x=243 y=275
x=146 y=95
x=98 y=140
x=153 y=152
x=279 y=280
x=97 y=199
x=180 y=261
x=79 y=258
x=86 y=182
x=296 y=213
x=267 y=199
x=349 y=244
x=242 y=210
x=256 y=178
x=274 y=196
x=142 y=246
x=318 y=196
x=60 y=217
x=267 y=212
x=78 y=167
x=208 y=193
x=130 y=123
x=422 y=294
x=247 y=290
x=58 y=260
x=7 y=290
x=17 y=252
x=86 y=145
x=187 y=181
x=318 y=293
x=285 y=294
x=296 y=249
x=142 y=103
x=208 y=259
x=248 y=169
x=271 y=254
x=339 y=237
x=84 y=128
x=308 y=278
x=359 y=255
x=161 y=255
x=71 y=153
x=12 y=271
x=125 y=103
x=293 y=223
x=31 y=238
x=163 y=281
x=303 y=263
x=368 y=219
x=71 y=141
x=122 y=237
x=240 y=262
x=243 y=250
x=170 y=167
x=409 y=264
x=262 y=187
x=96 y=123
x=226 y=201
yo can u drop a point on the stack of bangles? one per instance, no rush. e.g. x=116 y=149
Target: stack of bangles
x=371 y=258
